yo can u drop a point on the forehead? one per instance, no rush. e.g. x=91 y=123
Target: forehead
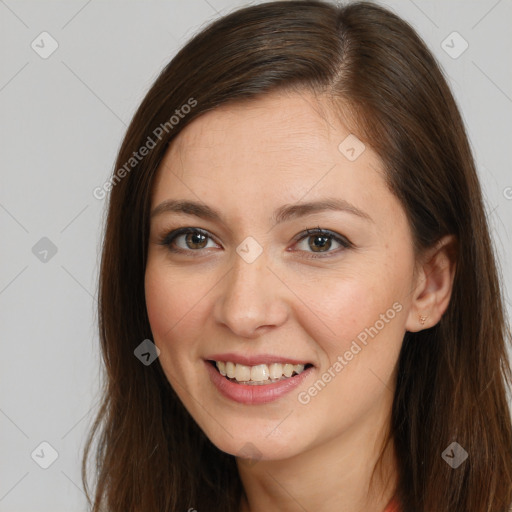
x=281 y=122
x=264 y=152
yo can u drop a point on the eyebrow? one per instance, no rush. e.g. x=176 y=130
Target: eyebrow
x=282 y=214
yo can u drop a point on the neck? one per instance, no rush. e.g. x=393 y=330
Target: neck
x=335 y=475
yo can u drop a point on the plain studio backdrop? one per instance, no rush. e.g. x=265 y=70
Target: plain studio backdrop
x=71 y=76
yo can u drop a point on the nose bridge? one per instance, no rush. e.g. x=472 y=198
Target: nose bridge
x=251 y=296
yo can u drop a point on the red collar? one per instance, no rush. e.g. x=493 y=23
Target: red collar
x=392 y=506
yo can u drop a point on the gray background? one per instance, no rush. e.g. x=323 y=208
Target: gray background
x=62 y=120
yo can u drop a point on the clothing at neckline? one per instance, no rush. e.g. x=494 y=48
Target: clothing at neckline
x=392 y=506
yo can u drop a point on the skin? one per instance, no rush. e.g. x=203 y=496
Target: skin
x=246 y=160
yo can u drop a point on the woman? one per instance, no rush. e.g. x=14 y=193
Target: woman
x=296 y=223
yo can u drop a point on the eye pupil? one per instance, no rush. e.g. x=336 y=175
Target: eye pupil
x=196 y=239
x=320 y=242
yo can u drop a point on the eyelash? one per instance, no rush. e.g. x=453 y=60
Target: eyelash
x=169 y=238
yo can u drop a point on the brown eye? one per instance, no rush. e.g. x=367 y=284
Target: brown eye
x=195 y=240
x=187 y=240
x=321 y=241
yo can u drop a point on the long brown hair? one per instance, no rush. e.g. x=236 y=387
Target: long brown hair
x=452 y=378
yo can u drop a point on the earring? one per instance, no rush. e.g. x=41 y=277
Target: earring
x=422 y=319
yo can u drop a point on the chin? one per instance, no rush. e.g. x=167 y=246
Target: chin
x=257 y=442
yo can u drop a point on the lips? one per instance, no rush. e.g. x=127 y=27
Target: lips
x=249 y=391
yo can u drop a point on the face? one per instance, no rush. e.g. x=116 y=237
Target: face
x=296 y=253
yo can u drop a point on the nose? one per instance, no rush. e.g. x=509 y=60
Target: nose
x=251 y=298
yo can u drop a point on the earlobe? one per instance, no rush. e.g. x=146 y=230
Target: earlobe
x=433 y=287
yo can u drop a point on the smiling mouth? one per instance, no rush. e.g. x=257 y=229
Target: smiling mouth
x=260 y=374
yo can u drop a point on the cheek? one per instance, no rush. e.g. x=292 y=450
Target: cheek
x=344 y=307
x=170 y=299
x=160 y=302
x=358 y=315
x=169 y=310
x=178 y=310
x=360 y=345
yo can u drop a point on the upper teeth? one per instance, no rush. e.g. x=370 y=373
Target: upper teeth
x=258 y=373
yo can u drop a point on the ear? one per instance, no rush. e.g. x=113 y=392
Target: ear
x=433 y=285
